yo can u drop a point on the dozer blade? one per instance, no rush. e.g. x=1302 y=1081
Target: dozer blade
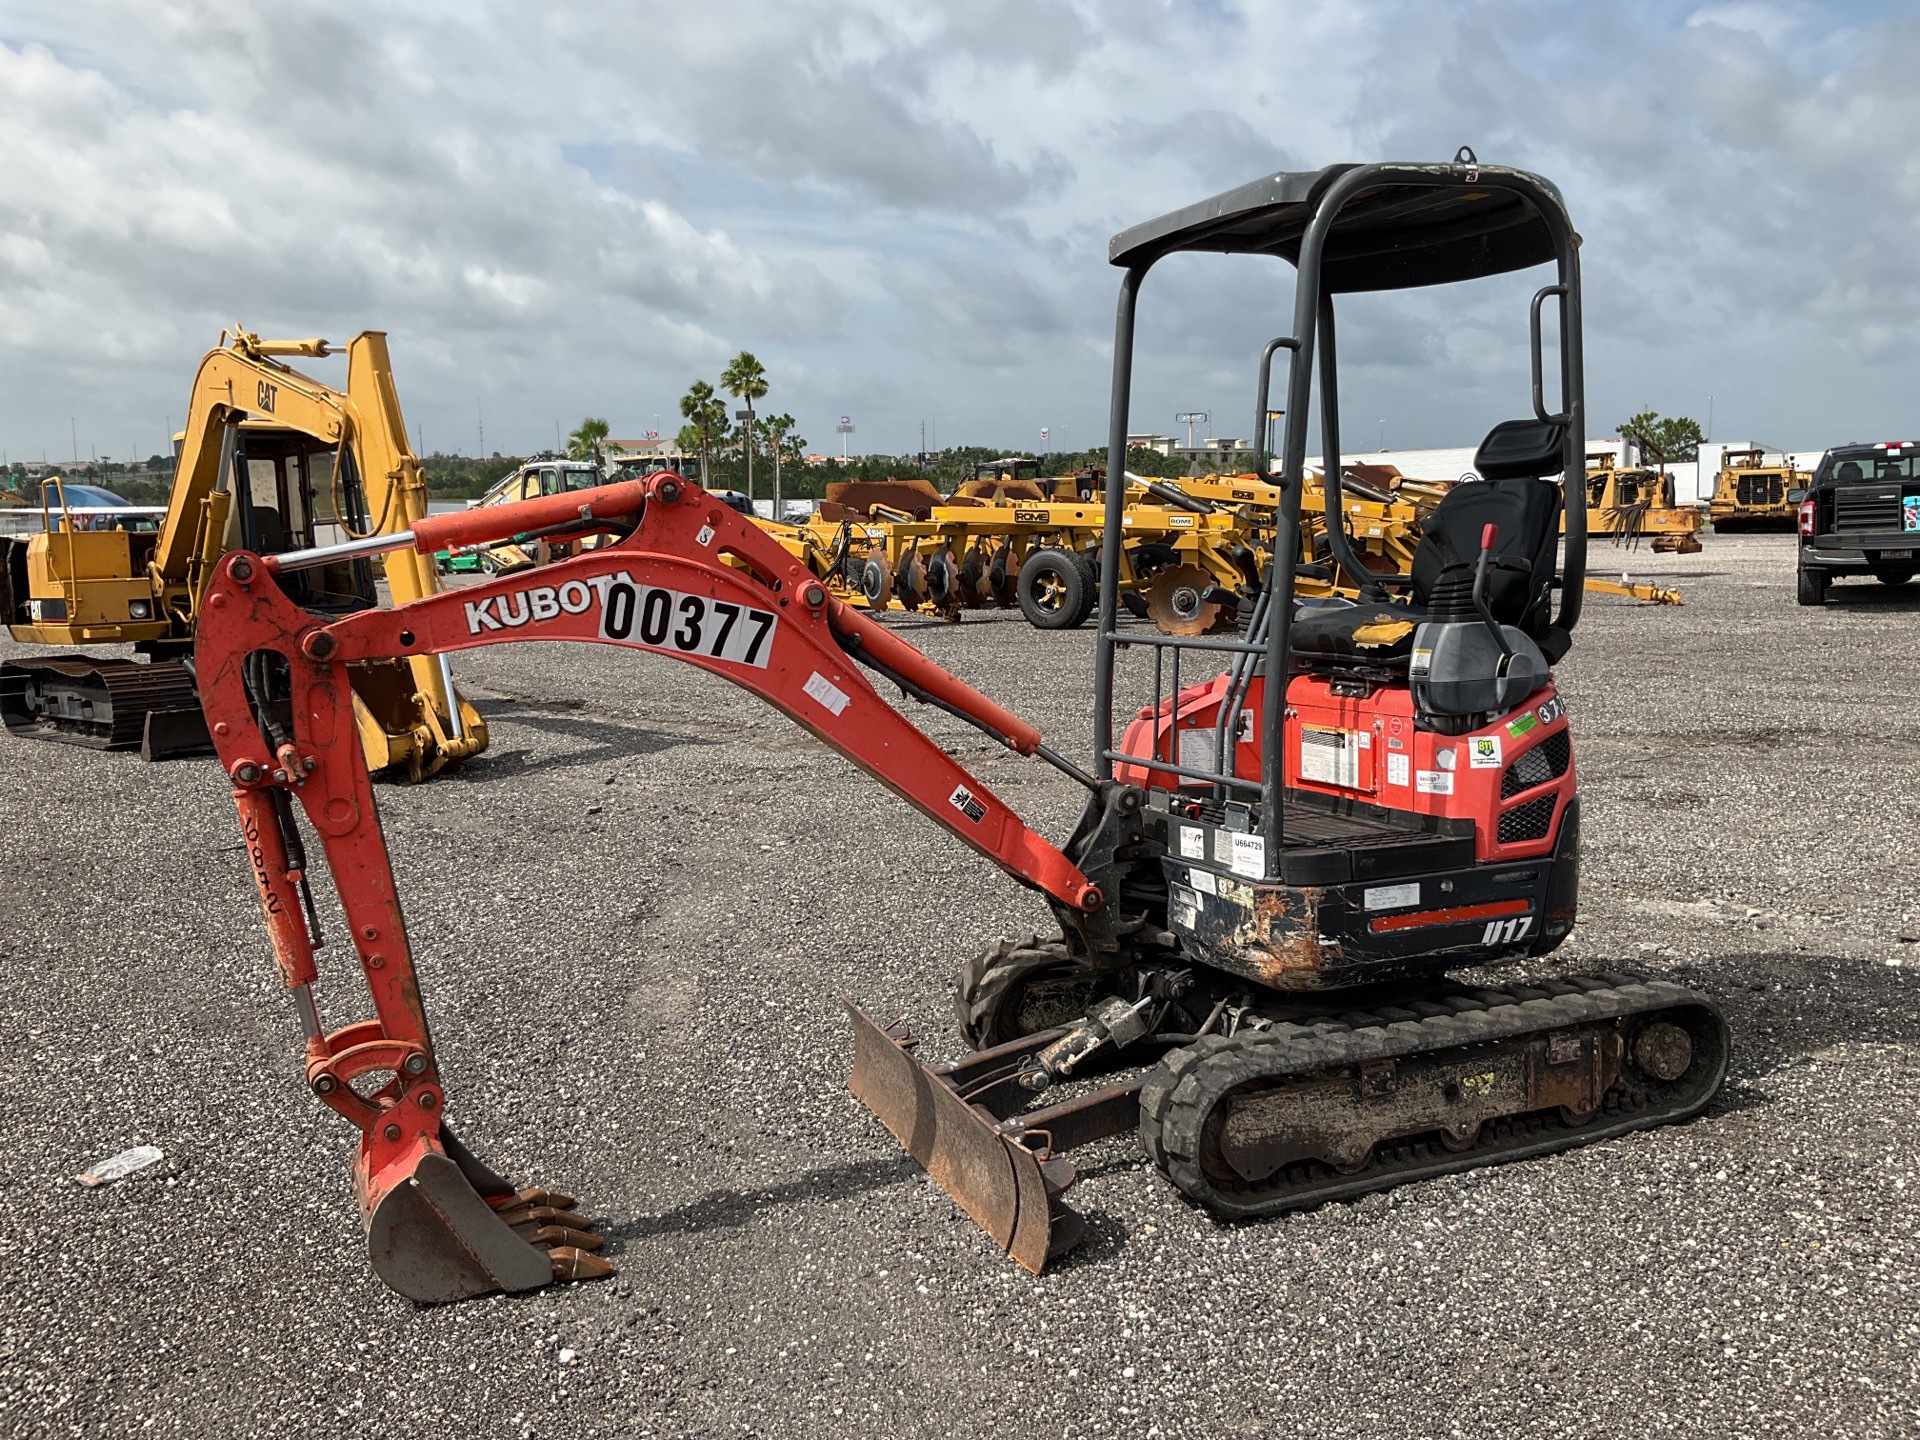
x=1012 y=1192
x=175 y=733
x=441 y=1226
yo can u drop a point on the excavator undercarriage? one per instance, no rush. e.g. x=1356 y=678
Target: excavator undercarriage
x=1282 y=1114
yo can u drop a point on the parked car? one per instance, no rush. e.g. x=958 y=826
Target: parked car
x=1860 y=516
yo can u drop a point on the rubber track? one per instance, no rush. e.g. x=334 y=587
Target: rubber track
x=1185 y=1086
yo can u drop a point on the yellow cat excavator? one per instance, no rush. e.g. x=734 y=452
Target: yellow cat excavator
x=271 y=460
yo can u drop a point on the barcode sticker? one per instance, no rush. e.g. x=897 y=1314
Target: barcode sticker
x=1249 y=856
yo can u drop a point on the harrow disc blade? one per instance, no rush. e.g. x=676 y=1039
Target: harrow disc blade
x=910 y=581
x=876 y=581
x=976 y=589
x=1177 y=601
x=1004 y=578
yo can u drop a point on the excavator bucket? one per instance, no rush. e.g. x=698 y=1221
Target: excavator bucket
x=1011 y=1189
x=442 y=1226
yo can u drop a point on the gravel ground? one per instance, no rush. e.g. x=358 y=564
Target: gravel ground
x=634 y=916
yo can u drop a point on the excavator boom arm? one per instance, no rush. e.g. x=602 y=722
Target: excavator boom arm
x=762 y=621
x=694 y=581
x=230 y=386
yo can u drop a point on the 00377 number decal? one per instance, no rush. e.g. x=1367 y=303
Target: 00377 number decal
x=659 y=619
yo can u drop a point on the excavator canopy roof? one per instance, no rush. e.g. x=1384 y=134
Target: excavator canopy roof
x=1420 y=225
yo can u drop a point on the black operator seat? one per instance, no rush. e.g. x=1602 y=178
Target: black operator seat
x=270 y=531
x=1511 y=494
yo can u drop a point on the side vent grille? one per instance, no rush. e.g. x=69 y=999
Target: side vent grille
x=1546 y=761
x=1531 y=821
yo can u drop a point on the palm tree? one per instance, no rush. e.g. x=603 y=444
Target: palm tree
x=697 y=406
x=745 y=378
x=584 y=442
x=778 y=428
x=687 y=442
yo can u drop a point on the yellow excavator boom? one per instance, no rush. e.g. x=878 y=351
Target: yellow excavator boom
x=272 y=459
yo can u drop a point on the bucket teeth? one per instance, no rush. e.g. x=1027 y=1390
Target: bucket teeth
x=560 y=1236
x=571 y=1263
x=547 y=1219
x=521 y=1215
x=538 y=1197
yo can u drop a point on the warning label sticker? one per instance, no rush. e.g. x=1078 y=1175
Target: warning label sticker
x=1483 y=752
x=1332 y=757
x=967 y=803
x=827 y=693
x=1399 y=766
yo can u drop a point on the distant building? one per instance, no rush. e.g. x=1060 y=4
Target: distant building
x=1211 y=451
x=1214 y=451
x=659 y=448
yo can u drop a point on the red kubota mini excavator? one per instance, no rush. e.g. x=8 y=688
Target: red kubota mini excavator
x=1263 y=897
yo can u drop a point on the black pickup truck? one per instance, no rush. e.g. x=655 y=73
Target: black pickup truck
x=1860 y=516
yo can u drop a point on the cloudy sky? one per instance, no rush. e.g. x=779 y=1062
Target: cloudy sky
x=902 y=206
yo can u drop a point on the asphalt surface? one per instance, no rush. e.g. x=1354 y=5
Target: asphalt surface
x=634 y=916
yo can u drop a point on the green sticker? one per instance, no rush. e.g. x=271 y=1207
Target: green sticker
x=1521 y=726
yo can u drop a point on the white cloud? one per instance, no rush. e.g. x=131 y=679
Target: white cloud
x=903 y=208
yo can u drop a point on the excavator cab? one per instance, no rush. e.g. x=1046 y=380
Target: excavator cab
x=300 y=493
x=1358 y=786
x=271 y=461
